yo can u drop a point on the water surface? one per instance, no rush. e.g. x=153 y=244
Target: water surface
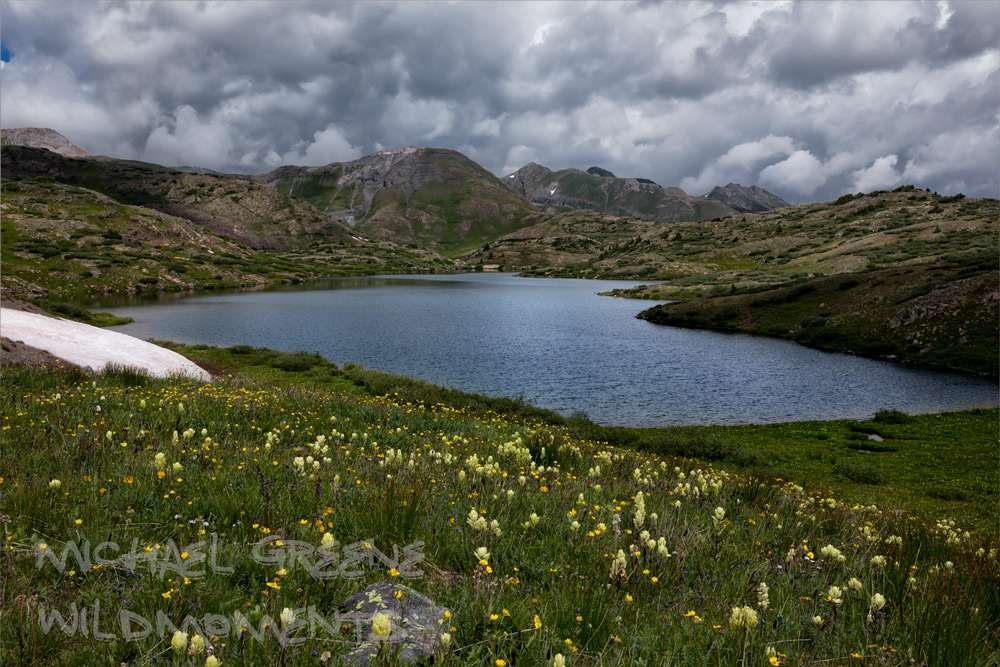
x=556 y=342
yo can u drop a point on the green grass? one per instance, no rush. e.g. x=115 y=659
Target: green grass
x=80 y=314
x=918 y=466
x=549 y=588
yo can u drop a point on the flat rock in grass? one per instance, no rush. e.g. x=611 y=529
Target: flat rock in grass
x=417 y=622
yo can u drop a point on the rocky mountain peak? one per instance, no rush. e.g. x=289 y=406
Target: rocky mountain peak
x=751 y=199
x=41 y=137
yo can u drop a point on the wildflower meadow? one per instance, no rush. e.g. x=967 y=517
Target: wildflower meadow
x=171 y=522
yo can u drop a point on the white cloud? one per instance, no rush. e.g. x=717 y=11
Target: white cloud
x=739 y=164
x=823 y=95
x=748 y=155
x=800 y=172
x=487 y=127
x=188 y=140
x=956 y=161
x=882 y=175
x=327 y=146
x=419 y=119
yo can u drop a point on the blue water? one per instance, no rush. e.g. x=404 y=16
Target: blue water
x=557 y=343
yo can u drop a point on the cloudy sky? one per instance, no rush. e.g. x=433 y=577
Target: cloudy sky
x=807 y=99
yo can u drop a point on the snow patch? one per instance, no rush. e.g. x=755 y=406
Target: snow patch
x=92 y=347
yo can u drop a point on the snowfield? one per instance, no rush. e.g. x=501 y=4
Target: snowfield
x=93 y=347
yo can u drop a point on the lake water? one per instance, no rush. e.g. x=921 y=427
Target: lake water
x=556 y=342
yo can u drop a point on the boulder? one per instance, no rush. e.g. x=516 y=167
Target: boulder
x=417 y=623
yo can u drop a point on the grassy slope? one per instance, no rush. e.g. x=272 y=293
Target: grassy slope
x=238 y=209
x=938 y=465
x=941 y=314
x=65 y=242
x=548 y=589
x=461 y=208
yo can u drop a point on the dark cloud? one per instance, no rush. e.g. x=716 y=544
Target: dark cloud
x=810 y=99
x=826 y=40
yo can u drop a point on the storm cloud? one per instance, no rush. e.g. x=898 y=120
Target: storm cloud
x=808 y=99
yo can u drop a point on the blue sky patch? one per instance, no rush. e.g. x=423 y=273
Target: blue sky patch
x=4 y=53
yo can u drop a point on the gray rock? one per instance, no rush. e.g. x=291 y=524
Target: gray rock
x=416 y=629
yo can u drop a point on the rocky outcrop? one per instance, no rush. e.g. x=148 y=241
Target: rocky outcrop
x=746 y=200
x=597 y=171
x=41 y=137
x=415 y=623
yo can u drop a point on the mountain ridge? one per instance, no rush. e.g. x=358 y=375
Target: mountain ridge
x=601 y=191
x=743 y=199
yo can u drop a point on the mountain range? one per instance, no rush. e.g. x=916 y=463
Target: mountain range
x=599 y=190
x=432 y=197
x=908 y=273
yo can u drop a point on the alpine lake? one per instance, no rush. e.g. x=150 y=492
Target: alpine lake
x=555 y=342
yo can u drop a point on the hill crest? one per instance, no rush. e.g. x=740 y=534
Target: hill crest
x=41 y=137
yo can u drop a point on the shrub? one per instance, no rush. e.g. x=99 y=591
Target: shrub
x=848 y=284
x=581 y=426
x=69 y=310
x=44 y=250
x=949 y=493
x=870 y=446
x=295 y=362
x=130 y=376
x=726 y=314
x=860 y=473
x=696 y=445
x=891 y=417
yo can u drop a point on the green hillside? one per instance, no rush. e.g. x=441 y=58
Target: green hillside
x=905 y=274
x=240 y=210
x=63 y=242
